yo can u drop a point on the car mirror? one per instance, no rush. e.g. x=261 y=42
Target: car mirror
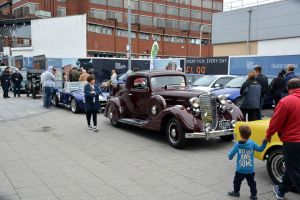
x=217 y=85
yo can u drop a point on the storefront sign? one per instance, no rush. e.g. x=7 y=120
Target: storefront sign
x=207 y=66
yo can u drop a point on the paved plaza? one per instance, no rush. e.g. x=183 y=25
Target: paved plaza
x=51 y=155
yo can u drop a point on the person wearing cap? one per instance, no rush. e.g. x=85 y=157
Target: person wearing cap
x=48 y=83
x=263 y=81
x=17 y=79
x=285 y=122
x=5 y=82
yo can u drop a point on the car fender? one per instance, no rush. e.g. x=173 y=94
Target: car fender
x=115 y=101
x=270 y=147
x=186 y=118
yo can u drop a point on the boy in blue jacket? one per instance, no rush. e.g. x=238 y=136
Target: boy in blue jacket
x=244 y=149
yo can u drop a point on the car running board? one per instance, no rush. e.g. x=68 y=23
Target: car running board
x=134 y=122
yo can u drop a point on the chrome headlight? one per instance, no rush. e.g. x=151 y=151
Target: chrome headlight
x=222 y=99
x=101 y=98
x=195 y=102
x=154 y=110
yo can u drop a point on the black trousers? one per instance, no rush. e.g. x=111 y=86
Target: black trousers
x=238 y=179
x=291 y=153
x=17 y=89
x=277 y=99
x=5 y=89
x=89 y=115
x=253 y=114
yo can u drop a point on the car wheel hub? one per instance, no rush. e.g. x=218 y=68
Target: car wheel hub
x=278 y=167
x=173 y=133
x=73 y=105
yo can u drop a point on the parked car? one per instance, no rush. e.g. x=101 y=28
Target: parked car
x=272 y=154
x=162 y=101
x=211 y=82
x=232 y=91
x=193 y=77
x=72 y=96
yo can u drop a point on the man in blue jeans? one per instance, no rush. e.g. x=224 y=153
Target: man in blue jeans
x=48 y=82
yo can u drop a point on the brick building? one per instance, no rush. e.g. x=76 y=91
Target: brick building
x=175 y=24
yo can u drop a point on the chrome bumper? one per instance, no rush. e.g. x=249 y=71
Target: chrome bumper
x=209 y=134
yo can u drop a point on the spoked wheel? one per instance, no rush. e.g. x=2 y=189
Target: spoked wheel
x=113 y=116
x=175 y=134
x=276 y=166
x=74 y=106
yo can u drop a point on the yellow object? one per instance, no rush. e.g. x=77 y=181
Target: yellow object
x=259 y=129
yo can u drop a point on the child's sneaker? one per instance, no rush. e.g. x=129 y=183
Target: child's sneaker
x=279 y=195
x=234 y=194
x=95 y=128
x=90 y=127
x=253 y=197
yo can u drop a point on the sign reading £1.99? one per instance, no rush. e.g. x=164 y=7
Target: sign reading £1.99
x=207 y=66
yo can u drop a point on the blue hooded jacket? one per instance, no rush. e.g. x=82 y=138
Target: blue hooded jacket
x=245 y=155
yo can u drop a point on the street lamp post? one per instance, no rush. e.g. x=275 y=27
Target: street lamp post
x=201 y=30
x=129 y=35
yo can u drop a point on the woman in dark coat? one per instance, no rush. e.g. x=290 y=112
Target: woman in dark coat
x=251 y=93
x=278 y=86
x=92 y=105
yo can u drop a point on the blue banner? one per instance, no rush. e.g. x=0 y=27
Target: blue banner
x=271 y=65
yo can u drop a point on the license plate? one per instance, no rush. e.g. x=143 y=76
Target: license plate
x=224 y=124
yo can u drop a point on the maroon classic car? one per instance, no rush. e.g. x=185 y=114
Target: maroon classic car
x=162 y=101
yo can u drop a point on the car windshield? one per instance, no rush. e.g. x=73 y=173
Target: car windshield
x=204 y=81
x=73 y=86
x=161 y=81
x=236 y=83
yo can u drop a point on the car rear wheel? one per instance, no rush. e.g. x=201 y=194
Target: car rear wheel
x=276 y=166
x=175 y=134
x=74 y=106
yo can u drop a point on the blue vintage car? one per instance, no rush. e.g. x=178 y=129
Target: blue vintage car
x=72 y=96
x=232 y=91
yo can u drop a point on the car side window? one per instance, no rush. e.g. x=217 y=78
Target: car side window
x=222 y=81
x=140 y=83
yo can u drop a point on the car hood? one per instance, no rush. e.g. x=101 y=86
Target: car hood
x=180 y=93
x=78 y=92
x=203 y=88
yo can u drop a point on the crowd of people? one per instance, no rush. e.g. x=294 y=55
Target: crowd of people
x=255 y=89
x=11 y=78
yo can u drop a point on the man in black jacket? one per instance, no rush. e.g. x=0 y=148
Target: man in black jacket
x=5 y=82
x=17 y=79
x=263 y=81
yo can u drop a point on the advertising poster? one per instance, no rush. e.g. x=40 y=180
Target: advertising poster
x=271 y=65
x=67 y=65
x=18 y=62
x=39 y=62
x=28 y=62
x=207 y=66
x=5 y=61
x=168 y=64
x=57 y=63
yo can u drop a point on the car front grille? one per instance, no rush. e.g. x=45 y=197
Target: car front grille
x=208 y=108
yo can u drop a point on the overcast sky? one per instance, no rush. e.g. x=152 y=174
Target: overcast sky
x=246 y=3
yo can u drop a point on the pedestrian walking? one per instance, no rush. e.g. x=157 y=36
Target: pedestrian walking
x=244 y=149
x=285 y=122
x=5 y=82
x=114 y=77
x=92 y=104
x=290 y=74
x=251 y=98
x=263 y=81
x=48 y=83
x=83 y=75
x=278 y=86
x=17 y=79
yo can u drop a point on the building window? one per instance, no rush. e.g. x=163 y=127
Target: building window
x=196 y=14
x=195 y=27
x=124 y=33
x=185 y=2
x=144 y=6
x=61 y=11
x=99 y=14
x=100 y=2
x=207 y=4
x=160 y=9
x=206 y=16
x=218 y=6
x=184 y=12
x=115 y=3
x=133 y=4
x=28 y=9
x=207 y=29
x=174 y=39
x=99 y=29
x=172 y=24
x=134 y=19
x=114 y=15
x=156 y=37
x=145 y=20
x=174 y=1
x=196 y=3
x=194 y=41
x=15 y=1
x=159 y=22
x=62 y=1
x=172 y=11
x=184 y=25
x=144 y=36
